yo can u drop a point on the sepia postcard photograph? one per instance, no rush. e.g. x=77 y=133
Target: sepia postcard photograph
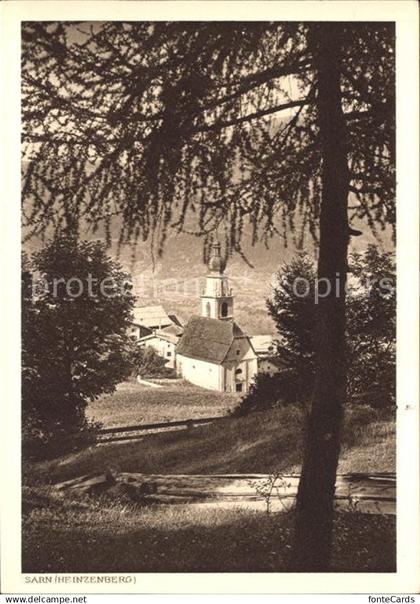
x=214 y=201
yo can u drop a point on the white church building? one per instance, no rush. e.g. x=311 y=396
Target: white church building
x=213 y=351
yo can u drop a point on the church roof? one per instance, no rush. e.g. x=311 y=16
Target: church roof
x=208 y=339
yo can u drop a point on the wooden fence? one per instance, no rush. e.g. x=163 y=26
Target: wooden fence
x=366 y=493
x=106 y=435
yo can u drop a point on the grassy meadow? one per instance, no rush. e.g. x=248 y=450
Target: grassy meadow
x=135 y=403
x=99 y=536
x=93 y=534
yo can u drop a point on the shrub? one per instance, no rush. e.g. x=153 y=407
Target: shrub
x=40 y=441
x=268 y=391
x=147 y=363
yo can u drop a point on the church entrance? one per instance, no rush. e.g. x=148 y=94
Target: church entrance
x=239 y=383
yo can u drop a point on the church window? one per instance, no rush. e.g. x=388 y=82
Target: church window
x=238 y=351
x=239 y=387
x=208 y=309
x=238 y=371
x=224 y=309
x=169 y=353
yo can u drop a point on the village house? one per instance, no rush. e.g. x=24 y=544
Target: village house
x=164 y=342
x=266 y=351
x=153 y=327
x=149 y=319
x=213 y=351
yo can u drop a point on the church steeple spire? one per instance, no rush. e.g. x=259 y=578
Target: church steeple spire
x=217 y=298
x=215 y=262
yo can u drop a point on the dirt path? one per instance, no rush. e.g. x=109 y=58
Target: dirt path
x=145 y=383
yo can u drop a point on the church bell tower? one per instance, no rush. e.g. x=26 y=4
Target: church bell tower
x=217 y=298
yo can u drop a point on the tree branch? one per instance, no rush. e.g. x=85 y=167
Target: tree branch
x=255 y=80
x=251 y=116
x=364 y=190
x=383 y=110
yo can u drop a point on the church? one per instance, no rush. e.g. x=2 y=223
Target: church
x=213 y=351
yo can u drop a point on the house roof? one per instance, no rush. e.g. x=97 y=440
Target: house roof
x=151 y=316
x=263 y=344
x=208 y=339
x=276 y=361
x=171 y=334
x=175 y=320
x=160 y=336
x=172 y=330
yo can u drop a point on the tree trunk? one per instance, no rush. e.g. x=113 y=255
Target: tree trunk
x=314 y=507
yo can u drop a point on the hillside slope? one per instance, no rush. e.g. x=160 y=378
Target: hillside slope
x=261 y=442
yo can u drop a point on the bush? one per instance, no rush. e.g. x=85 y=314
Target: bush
x=40 y=441
x=268 y=391
x=147 y=363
